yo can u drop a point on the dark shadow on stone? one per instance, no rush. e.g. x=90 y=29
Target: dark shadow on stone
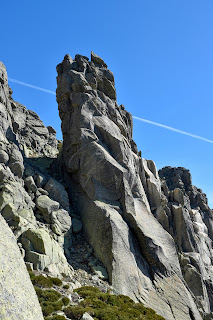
x=11 y=136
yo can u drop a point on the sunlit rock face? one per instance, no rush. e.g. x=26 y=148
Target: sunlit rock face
x=189 y=220
x=152 y=238
x=32 y=204
x=23 y=127
x=18 y=300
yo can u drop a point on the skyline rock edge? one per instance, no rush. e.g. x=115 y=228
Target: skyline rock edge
x=136 y=224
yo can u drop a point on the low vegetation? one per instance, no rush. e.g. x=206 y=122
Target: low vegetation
x=44 y=282
x=101 y=306
x=105 y=306
x=49 y=299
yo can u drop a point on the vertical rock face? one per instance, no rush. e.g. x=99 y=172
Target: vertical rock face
x=117 y=194
x=18 y=300
x=190 y=222
x=34 y=205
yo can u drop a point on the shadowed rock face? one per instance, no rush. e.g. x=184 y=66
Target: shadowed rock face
x=117 y=194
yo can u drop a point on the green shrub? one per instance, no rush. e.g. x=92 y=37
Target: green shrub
x=48 y=307
x=42 y=281
x=94 y=303
x=120 y=301
x=75 y=312
x=66 y=286
x=57 y=305
x=47 y=295
x=47 y=310
x=66 y=301
x=88 y=289
x=56 y=281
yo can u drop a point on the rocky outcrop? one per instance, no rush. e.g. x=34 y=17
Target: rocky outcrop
x=23 y=127
x=151 y=232
x=18 y=300
x=34 y=205
x=119 y=197
x=190 y=221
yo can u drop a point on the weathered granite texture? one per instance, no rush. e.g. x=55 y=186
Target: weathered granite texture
x=187 y=217
x=33 y=203
x=152 y=231
x=119 y=198
x=18 y=300
x=23 y=127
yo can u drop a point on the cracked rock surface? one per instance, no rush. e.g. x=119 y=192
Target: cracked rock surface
x=146 y=229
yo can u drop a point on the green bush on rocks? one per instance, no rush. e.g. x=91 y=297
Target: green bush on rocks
x=101 y=306
x=76 y=312
x=56 y=281
x=49 y=300
x=42 y=281
x=47 y=295
x=104 y=306
x=65 y=301
x=56 y=306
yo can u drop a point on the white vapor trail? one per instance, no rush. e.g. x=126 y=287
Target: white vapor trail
x=31 y=86
x=173 y=129
x=137 y=118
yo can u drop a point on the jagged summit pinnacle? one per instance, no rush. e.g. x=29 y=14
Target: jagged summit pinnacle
x=85 y=76
x=128 y=213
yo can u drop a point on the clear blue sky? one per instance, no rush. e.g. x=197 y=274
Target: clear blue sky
x=159 y=50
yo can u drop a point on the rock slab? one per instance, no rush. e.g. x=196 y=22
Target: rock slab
x=18 y=300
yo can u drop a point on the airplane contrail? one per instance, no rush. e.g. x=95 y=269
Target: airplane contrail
x=31 y=86
x=137 y=118
x=173 y=129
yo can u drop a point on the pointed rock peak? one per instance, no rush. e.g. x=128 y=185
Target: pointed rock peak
x=66 y=63
x=79 y=56
x=96 y=59
x=68 y=58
